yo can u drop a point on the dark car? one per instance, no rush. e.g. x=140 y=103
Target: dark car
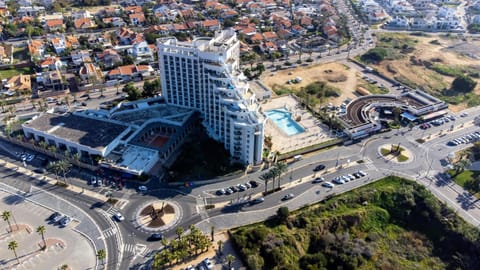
x=319 y=168
x=55 y=217
x=257 y=201
x=234 y=189
x=318 y=180
x=254 y=184
x=155 y=237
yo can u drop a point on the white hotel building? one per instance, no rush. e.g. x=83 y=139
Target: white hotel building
x=204 y=75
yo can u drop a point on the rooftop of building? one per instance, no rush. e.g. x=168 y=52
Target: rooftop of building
x=94 y=133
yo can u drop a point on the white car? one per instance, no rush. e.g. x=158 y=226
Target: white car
x=327 y=184
x=118 y=217
x=142 y=188
x=208 y=263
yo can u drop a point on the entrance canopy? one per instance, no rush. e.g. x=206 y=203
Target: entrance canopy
x=410 y=117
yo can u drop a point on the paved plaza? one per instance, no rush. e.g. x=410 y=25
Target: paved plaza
x=315 y=132
x=64 y=245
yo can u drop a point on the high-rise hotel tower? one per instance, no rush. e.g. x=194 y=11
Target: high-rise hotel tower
x=204 y=75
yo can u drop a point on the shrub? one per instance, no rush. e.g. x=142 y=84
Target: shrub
x=375 y=55
x=463 y=84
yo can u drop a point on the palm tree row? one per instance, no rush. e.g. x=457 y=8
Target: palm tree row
x=274 y=173
x=182 y=248
x=60 y=167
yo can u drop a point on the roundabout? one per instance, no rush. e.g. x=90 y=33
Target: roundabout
x=396 y=153
x=159 y=215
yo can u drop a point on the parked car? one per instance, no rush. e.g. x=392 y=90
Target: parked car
x=288 y=197
x=241 y=187
x=208 y=263
x=319 y=168
x=118 y=217
x=55 y=217
x=327 y=184
x=234 y=189
x=155 y=237
x=362 y=173
x=318 y=180
x=142 y=188
x=221 y=192
x=254 y=184
x=228 y=191
x=65 y=221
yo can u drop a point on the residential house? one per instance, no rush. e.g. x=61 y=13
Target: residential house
x=298 y=30
x=114 y=21
x=19 y=83
x=81 y=14
x=33 y=11
x=72 y=42
x=59 y=44
x=141 y=52
x=83 y=23
x=137 y=19
x=109 y=58
x=3 y=8
x=133 y=9
x=211 y=25
x=128 y=37
x=80 y=57
x=89 y=73
x=51 y=63
x=54 y=24
x=4 y=57
x=270 y=36
x=331 y=32
x=50 y=80
x=129 y=72
x=36 y=48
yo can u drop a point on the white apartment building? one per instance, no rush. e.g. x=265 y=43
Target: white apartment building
x=204 y=75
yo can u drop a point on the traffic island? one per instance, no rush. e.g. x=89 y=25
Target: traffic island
x=396 y=153
x=158 y=215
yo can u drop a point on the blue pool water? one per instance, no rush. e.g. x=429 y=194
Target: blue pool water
x=283 y=119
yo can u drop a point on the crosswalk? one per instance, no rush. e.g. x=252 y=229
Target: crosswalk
x=109 y=232
x=138 y=249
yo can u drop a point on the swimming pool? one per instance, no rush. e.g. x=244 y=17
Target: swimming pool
x=283 y=120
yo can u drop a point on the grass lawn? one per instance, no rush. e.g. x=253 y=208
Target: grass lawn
x=8 y=73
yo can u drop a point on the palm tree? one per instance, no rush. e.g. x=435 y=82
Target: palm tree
x=280 y=167
x=101 y=255
x=179 y=232
x=220 y=246
x=41 y=230
x=212 y=232
x=13 y=245
x=117 y=85
x=230 y=258
x=266 y=177
x=6 y=215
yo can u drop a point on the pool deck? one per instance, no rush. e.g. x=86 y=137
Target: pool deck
x=315 y=131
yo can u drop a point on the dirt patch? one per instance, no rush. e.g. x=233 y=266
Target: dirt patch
x=336 y=74
x=415 y=68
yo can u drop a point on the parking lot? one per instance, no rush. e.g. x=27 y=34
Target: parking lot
x=64 y=245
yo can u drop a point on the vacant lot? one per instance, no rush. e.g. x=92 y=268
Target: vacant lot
x=431 y=63
x=390 y=224
x=335 y=74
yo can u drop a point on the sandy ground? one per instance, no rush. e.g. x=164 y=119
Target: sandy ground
x=336 y=74
x=448 y=51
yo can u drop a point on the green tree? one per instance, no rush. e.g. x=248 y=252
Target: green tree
x=102 y=255
x=13 y=245
x=374 y=55
x=132 y=91
x=151 y=88
x=6 y=215
x=283 y=213
x=463 y=84
x=41 y=230
x=179 y=232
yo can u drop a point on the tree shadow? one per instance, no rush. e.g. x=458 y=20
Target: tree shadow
x=442 y=179
x=466 y=200
x=13 y=199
